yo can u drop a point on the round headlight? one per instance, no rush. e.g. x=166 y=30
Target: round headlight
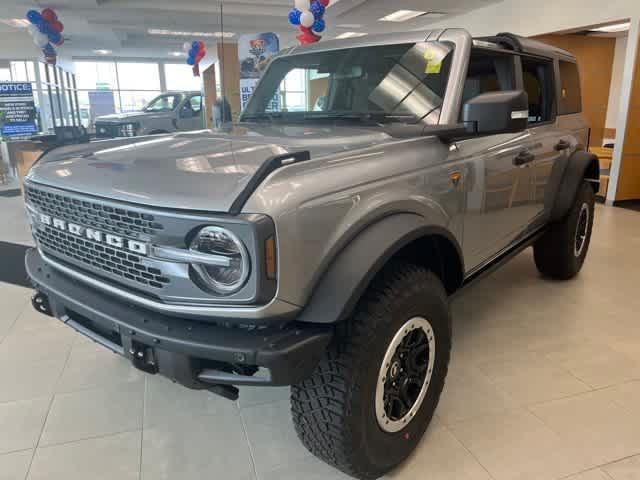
x=220 y=242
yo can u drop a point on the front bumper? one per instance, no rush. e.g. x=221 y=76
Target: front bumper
x=196 y=354
x=114 y=130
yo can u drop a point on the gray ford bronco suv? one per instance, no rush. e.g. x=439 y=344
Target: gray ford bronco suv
x=319 y=247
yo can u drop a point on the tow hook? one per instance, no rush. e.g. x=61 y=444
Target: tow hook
x=227 y=391
x=143 y=358
x=41 y=303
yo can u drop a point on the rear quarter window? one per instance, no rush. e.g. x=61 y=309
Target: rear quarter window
x=570 y=100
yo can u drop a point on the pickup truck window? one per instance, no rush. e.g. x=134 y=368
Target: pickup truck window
x=164 y=103
x=387 y=83
x=196 y=103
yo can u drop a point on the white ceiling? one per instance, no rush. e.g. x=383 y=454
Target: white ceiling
x=121 y=25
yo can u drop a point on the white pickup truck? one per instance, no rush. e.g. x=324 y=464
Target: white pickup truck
x=169 y=112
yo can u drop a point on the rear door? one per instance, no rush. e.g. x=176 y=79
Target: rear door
x=547 y=143
x=497 y=185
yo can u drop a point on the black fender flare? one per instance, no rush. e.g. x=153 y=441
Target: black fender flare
x=354 y=267
x=581 y=165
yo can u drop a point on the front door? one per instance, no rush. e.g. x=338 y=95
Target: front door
x=498 y=180
x=498 y=194
x=190 y=114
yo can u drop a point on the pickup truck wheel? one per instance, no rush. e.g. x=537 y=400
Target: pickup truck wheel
x=368 y=403
x=561 y=251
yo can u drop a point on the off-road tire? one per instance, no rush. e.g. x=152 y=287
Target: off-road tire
x=334 y=409
x=555 y=253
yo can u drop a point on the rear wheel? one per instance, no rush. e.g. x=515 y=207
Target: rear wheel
x=370 y=400
x=561 y=251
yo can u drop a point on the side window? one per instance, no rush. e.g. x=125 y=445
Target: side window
x=570 y=97
x=537 y=76
x=196 y=103
x=488 y=72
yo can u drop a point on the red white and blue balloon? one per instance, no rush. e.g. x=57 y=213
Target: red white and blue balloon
x=308 y=16
x=195 y=53
x=46 y=30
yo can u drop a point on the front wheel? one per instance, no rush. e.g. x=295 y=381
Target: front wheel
x=368 y=403
x=561 y=251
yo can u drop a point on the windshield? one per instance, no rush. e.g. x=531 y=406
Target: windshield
x=387 y=83
x=164 y=103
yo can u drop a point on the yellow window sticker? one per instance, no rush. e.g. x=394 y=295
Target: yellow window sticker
x=434 y=64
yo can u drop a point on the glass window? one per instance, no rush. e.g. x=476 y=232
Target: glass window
x=136 y=101
x=138 y=76
x=164 y=103
x=570 y=97
x=22 y=71
x=96 y=75
x=537 y=76
x=180 y=77
x=488 y=72
x=404 y=82
x=196 y=103
x=5 y=74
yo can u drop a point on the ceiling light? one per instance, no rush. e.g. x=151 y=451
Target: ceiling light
x=402 y=16
x=349 y=25
x=616 y=27
x=177 y=54
x=15 y=22
x=175 y=33
x=350 y=35
x=102 y=52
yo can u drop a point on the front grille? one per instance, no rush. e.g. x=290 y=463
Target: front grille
x=100 y=257
x=110 y=130
x=126 y=222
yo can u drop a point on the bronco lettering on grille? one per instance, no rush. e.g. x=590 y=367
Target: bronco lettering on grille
x=91 y=234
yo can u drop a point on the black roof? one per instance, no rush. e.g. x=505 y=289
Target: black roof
x=517 y=43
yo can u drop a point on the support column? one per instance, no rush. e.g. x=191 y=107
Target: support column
x=210 y=96
x=230 y=72
x=625 y=167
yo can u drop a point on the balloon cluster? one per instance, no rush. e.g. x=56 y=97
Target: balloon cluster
x=46 y=31
x=195 y=52
x=309 y=18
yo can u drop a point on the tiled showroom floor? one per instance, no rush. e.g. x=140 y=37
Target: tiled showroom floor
x=544 y=384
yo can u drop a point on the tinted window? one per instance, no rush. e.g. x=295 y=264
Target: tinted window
x=537 y=76
x=570 y=98
x=164 y=103
x=488 y=72
x=196 y=103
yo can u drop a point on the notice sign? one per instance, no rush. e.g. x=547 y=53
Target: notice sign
x=17 y=110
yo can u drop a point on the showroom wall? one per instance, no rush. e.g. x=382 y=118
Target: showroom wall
x=629 y=184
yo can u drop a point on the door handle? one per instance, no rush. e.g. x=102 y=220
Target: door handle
x=523 y=158
x=562 y=145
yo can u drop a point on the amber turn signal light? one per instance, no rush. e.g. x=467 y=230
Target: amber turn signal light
x=271 y=263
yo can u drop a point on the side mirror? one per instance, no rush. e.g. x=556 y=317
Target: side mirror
x=497 y=112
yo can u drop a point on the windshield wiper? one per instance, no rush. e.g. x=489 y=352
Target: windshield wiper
x=375 y=117
x=260 y=116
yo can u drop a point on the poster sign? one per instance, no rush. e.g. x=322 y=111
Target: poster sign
x=255 y=52
x=101 y=102
x=17 y=110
